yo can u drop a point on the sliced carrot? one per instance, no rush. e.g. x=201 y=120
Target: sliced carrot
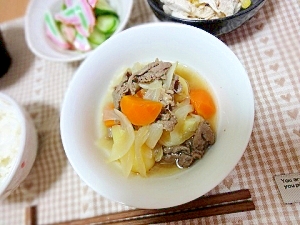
x=203 y=103
x=110 y=105
x=140 y=111
x=110 y=123
x=141 y=93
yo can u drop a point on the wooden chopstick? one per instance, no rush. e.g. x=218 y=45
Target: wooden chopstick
x=30 y=216
x=193 y=214
x=231 y=202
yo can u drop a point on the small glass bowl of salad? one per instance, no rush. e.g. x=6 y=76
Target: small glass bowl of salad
x=69 y=30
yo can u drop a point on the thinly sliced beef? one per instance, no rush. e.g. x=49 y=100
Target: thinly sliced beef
x=175 y=85
x=121 y=89
x=168 y=120
x=153 y=71
x=192 y=149
x=204 y=137
x=129 y=84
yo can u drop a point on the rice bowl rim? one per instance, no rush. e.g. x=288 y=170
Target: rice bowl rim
x=19 y=113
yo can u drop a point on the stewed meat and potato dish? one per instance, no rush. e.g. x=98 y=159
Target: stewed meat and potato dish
x=158 y=114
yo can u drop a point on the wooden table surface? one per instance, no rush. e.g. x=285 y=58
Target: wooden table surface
x=12 y=9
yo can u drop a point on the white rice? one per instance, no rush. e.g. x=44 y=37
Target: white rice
x=10 y=137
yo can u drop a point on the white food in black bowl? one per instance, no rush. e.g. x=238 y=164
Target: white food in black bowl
x=210 y=22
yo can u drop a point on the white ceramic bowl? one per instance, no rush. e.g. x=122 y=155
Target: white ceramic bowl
x=190 y=46
x=35 y=31
x=22 y=162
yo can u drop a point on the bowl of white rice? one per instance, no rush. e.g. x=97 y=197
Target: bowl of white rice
x=18 y=144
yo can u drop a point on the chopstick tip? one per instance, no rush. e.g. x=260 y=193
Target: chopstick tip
x=31 y=215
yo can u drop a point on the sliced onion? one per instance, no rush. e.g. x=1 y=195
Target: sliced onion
x=155 y=132
x=158 y=153
x=137 y=67
x=184 y=94
x=153 y=85
x=178 y=134
x=170 y=74
x=123 y=137
x=154 y=94
x=127 y=161
x=183 y=109
x=109 y=114
x=141 y=136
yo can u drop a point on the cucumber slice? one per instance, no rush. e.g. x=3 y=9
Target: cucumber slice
x=97 y=37
x=107 y=23
x=93 y=46
x=103 y=8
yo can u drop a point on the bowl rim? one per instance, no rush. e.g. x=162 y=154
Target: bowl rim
x=16 y=162
x=239 y=13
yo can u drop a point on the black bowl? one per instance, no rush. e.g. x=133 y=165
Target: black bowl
x=4 y=55
x=215 y=26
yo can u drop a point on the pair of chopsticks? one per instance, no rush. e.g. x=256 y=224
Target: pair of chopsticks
x=225 y=203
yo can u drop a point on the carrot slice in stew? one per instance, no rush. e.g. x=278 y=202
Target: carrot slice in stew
x=140 y=111
x=140 y=93
x=110 y=123
x=203 y=103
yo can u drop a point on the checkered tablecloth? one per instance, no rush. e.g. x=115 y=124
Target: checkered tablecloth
x=268 y=46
